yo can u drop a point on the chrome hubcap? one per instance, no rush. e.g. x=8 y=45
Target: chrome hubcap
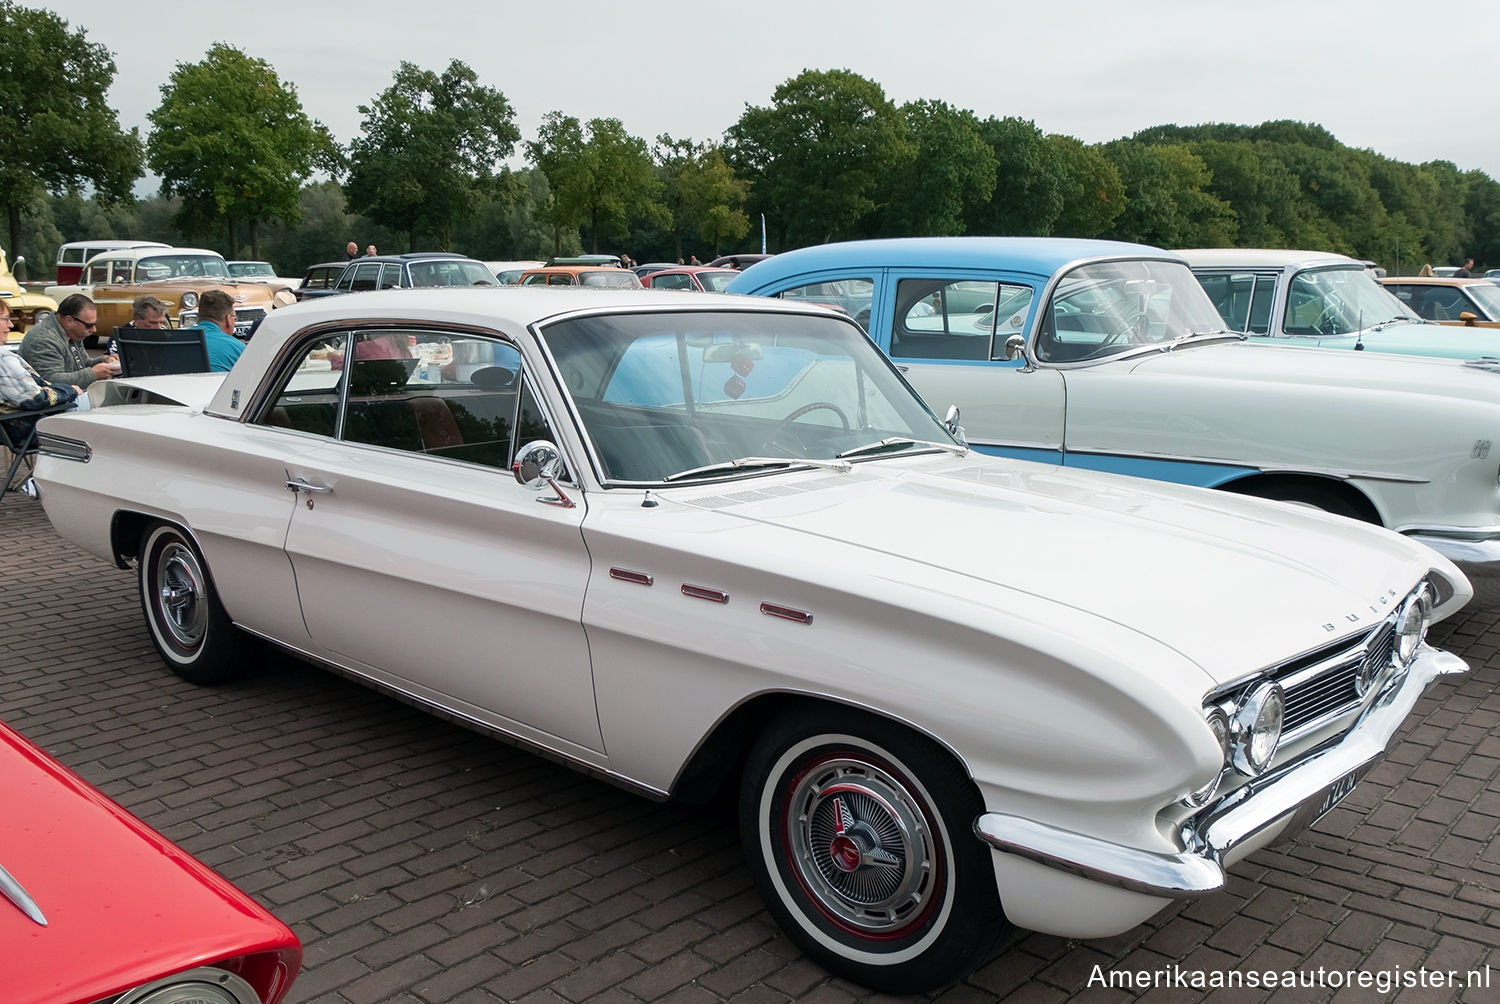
x=179 y=586
x=861 y=846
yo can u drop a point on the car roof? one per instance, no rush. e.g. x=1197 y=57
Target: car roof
x=573 y=269
x=1262 y=258
x=1039 y=255
x=1437 y=280
x=496 y=308
x=137 y=253
x=412 y=256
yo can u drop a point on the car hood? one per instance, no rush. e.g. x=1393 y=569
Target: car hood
x=1407 y=337
x=123 y=904
x=1234 y=584
x=1258 y=362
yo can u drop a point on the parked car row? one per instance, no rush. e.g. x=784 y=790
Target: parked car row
x=685 y=541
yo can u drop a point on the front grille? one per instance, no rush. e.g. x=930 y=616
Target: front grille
x=1324 y=684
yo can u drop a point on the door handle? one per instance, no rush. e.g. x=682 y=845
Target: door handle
x=298 y=485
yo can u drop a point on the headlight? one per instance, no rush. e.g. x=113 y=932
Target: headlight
x=1411 y=625
x=1256 y=728
x=1218 y=724
x=189 y=300
x=207 y=985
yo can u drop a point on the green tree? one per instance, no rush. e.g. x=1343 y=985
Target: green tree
x=817 y=155
x=599 y=174
x=1028 y=193
x=59 y=130
x=1093 y=194
x=233 y=143
x=701 y=192
x=947 y=173
x=1166 y=203
x=432 y=145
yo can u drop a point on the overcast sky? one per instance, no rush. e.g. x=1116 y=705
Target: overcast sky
x=1412 y=82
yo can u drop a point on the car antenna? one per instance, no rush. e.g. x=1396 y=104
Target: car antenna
x=1359 y=339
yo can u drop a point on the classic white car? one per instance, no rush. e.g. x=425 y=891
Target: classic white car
x=1110 y=356
x=682 y=540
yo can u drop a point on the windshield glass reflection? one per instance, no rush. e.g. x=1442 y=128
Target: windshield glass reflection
x=1105 y=308
x=663 y=395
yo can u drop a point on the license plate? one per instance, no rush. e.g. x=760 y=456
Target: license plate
x=1336 y=794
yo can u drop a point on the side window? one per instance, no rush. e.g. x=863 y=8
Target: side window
x=534 y=280
x=98 y=272
x=672 y=281
x=1231 y=295
x=957 y=318
x=1260 y=306
x=561 y=279
x=419 y=392
x=345 y=280
x=390 y=277
x=308 y=400
x=365 y=277
x=1445 y=303
x=852 y=296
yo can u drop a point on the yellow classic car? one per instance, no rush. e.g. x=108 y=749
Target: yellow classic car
x=177 y=277
x=1448 y=299
x=24 y=307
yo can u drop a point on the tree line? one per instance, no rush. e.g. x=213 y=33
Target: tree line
x=244 y=170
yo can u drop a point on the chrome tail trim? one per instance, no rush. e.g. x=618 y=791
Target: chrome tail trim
x=17 y=894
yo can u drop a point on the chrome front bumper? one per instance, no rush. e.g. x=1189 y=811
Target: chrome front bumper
x=1477 y=559
x=1299 y=793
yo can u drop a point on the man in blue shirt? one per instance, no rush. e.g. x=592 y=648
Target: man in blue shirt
x=216 y=321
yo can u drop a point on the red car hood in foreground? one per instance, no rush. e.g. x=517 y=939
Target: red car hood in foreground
x=123 y=905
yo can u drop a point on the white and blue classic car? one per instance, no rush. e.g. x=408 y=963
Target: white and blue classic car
x=1111 y=357
x=683 y=541
x=1313 y=299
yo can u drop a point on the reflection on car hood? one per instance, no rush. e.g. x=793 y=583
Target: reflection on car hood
x=1261 y=363
x=1234 y=584
x=122 y=903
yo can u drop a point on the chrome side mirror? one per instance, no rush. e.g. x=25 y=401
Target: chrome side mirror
x=950 y=422
x=1014 y=348
x=538 y=463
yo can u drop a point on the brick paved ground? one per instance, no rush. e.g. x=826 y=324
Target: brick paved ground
x=421 y=863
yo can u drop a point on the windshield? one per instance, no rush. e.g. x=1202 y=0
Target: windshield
x=1487 y=297
x=1339 y=301
x=610 y=278
x=665 y=393
x=178 y=266
x=1105 y=308
x=451 y=272
x=714 y=282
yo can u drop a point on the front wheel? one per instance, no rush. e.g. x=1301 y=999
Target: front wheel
x=859 y=835
x=188 y=625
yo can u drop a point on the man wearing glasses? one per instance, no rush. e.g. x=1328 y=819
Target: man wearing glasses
x=54 y=345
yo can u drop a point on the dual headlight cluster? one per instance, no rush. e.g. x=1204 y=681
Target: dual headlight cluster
x=1248 y=729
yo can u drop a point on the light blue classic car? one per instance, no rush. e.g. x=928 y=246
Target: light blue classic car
x=1111 y=357
x=1313 y=299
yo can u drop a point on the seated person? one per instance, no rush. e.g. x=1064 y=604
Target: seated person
x=147 y=313
x=216 y=321
x=21 y=387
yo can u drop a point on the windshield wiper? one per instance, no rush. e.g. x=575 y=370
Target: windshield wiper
x=893 y=442
x=758 y=463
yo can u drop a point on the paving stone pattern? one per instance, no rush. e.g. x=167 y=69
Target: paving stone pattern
x=422 y=863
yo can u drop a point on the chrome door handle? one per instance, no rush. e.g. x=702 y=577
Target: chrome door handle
x=298 y=485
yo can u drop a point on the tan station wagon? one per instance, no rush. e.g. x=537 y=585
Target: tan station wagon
x=177 y=277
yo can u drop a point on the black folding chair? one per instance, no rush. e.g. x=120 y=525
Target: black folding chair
x=159 y=351
x=18 y=435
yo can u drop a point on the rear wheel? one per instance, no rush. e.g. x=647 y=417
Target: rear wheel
x=859 y=835
x=188 y=625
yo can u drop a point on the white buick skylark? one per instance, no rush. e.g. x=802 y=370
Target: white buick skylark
x=681 y=541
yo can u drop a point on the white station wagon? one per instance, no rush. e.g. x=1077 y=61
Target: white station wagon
x=681 y=540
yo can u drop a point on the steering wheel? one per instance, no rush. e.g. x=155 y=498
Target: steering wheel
x=785 y=423
x=1327 y=322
